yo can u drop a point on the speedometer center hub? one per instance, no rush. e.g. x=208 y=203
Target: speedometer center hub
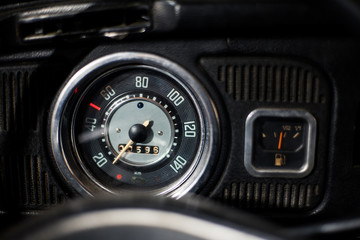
x=149 y=146
x=138 y=133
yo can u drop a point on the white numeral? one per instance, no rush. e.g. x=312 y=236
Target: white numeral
x=190 y=129
x=90 y=123
x=178 y=163
x=108 y=92
x=100 y=160
x=141 y=82
x=175 y=97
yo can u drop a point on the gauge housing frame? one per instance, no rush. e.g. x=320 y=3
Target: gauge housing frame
x=309 y=161
x=68 y=166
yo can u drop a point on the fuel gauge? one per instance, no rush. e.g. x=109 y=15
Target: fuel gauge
x=280 y=134
x=280 y=143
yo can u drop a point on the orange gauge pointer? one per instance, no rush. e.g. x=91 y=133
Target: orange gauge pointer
x=280 y=140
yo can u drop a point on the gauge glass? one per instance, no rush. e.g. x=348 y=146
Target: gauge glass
x=102 y=124
x=281 y=134
x=133 y=122
x=280 y=143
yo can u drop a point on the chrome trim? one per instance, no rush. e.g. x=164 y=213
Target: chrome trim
x=280 y=113
x=207 y=114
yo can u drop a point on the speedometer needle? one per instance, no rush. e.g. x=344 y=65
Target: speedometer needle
x=145 y=124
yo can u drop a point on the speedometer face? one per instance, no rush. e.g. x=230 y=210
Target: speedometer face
x=133 y=125
x=112 y=113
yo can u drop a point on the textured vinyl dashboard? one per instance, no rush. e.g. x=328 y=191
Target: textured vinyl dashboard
x=243 y=84
x=25 y=173
x=268 y=114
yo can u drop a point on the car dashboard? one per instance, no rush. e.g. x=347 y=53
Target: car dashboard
x=234 y=109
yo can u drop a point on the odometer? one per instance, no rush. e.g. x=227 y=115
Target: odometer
x=133 y=122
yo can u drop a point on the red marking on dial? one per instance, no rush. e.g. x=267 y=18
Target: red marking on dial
x=119 y=177
x=94 y=106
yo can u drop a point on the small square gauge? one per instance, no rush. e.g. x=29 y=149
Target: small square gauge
x=280 y=143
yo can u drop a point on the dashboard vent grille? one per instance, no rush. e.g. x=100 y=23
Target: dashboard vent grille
x=266 y=80
x=271 y=195
x=17 y=100
x=3 y=182
x=249 y=83
x=25 y=179
x=37 y=190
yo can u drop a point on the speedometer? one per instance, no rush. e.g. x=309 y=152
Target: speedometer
x=133 y=122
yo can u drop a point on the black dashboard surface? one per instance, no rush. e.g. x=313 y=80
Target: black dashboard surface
x=272 y=55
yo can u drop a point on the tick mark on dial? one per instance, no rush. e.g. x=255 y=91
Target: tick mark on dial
x=94 y=106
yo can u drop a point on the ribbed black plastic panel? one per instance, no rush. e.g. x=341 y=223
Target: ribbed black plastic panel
x=18 y=99
x=37 y=189
x=250 y=83
x=271 y=195
x=25 y=180
x=266 y=80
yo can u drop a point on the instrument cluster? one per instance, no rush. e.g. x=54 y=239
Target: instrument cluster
x=133 y=121
x=243 y=130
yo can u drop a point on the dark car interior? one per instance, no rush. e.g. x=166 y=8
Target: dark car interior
x=179 y=119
